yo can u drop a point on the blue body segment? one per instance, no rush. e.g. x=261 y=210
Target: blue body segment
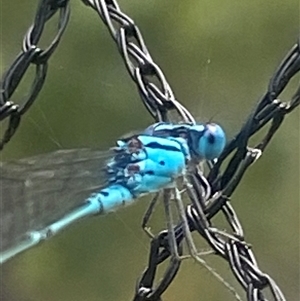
x=154 y=163
x=141 y=164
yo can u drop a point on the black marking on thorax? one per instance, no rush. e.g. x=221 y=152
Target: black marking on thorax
x=162 y=146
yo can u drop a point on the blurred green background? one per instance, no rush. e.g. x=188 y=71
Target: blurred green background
x=218 y=57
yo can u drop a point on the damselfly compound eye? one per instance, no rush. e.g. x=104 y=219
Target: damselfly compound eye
x=212 y=142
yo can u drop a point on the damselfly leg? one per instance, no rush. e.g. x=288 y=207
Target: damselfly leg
x=192 y=249
x=148 y=214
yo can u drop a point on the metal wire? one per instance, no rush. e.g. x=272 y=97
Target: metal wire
x=158 y=98
x=270 y=111
x=210 y=194
x=31 y=54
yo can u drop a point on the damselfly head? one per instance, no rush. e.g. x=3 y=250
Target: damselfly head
x=212 y=142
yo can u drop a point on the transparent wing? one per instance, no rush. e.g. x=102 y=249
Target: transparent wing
x=39 y=190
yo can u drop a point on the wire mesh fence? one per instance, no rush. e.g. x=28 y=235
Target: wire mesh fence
x=223 y=177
